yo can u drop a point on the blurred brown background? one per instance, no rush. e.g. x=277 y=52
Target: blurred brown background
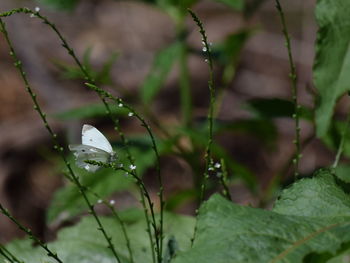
x=137 y=31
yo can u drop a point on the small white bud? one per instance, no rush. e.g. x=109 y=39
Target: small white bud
x=37 y=9
x=112 y=202
x=132 y=167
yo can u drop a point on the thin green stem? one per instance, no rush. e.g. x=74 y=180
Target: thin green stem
x=224 y=180
x=208 y=157
x=158 y=233
x=116 y=122
x=342 y=142
x=88 y=78
x=293 y=77
x=207 y=51
x=18 y=65
x=8 y=255
x=29 y=232
x=142 y=197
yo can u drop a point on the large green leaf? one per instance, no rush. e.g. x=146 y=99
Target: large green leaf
x=83 y=243
x=332 y=61
x=162 y=65
x=316 y=197
x=229 y=233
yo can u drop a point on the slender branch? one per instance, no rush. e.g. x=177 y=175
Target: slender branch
x=209 y=60
x=29 y=232
x=293 y=77
x=158 y=233
x=8 y=255
x=109 y=112
x=208 y=157
x=159 y=237
x=18 y=65
x=223 y=179
x=342 y=142
x=116 y=121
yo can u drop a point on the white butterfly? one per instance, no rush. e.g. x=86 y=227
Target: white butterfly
x=94 y=147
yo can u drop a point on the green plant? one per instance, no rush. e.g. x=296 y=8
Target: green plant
x=309 y=222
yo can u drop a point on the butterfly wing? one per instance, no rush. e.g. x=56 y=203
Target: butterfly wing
x=93 y=137
x=85 y=152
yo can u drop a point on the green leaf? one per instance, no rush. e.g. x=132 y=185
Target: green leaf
x=90 y=111
x=228 y=53
x=228 y=232
x=101 y=77
x=333 y=137
x=316 y=197
x=234 y=4
x=332 y=61
x=84 y=243
x=162 y=65
x=61 y=4
x=277 y=108
x=343 y=172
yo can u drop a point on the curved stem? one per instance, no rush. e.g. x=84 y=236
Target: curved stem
x=30 y=234
x=207 y=51
x=18 y=65
x=8 y=255
x=158 y=233
x=293 y=77
x=208 y=157
x=342 y=142
x=159 y=237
